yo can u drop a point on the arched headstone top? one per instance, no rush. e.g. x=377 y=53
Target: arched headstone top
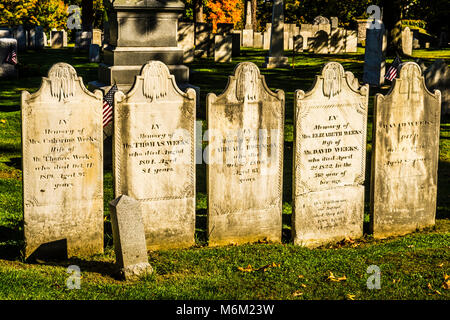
x=321 y=20
x=155 y=83
x=62 y=77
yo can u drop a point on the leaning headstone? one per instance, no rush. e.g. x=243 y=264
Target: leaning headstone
x=329 y=158
x=7 y=70
x=223 y=48
x=56 y=39
x=351 y=41
x=94 y=53
x=62 y=148
x=337 y=41
x=275 y=58
x=319 y=43
x=186 y=40
x=374 y=57
x=407 y=41
x=405 y=156
x=129 y=238
x=437 y=76
x=154 y=141
x=245 y=159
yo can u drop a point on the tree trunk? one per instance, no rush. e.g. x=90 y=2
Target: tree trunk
x=198 y=11
x=87 y=14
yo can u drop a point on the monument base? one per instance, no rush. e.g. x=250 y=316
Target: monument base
x=276 y=62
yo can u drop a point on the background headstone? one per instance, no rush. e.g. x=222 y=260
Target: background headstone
x=223 y=48
x=337 y=41
x=275 y=59
x=334 y=22
x=405 y=156
x=247 y=38
x=20 y=35
x=329 y=158
x=186 y=40
x=83 y=39
x=5 y=33
x=236 y=45
x=129 y=238
x=62 y=164
x=351 y=41
x=245 y=159
x=56 y=39
x=97 y=37
x=154 y=141
x=203 y=34
x=319 y=43
x=39 y=37
x=94 y=53
x=437 y=76
x=407 y=41
x=258 y=40
x=224 y=28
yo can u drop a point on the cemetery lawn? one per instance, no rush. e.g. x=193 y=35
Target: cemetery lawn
x=415 y=266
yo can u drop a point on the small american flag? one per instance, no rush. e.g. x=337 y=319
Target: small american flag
x=12 y=56
x=393 y=69
x=108 y=104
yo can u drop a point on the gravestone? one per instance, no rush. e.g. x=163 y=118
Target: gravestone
x=266 y=41
x=97 y=37
x=56 y=39
x=362 y=27
x=334 y=22
x=374 y=56
x=437 y=76
x=203 y=34
x=258 y=40
x=224 y=28
x=320 y=20
x=319 y=43
x=20 y=35
x=5 y=33
x=223 y=48
x=337 y=41
x=405 y=155
x=275 y=59
x=65 y=41
x=247 y=38
x=298 y=43
x=62 y=148
x=351 y=41
x=154 y=140
x=407 y=41
x=129 y=238
x=236 y=45
x=245 y=159
x=7 y=70
x=83 y=40
x=186 y=40
x=31 y=38
x=329 y=158
x=39 y=38
x=94 y=53
x=306 y=34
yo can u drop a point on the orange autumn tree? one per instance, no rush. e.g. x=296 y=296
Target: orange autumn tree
x=224 y=11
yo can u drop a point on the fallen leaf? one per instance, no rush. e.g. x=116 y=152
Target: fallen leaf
x=431 y=288
x=248 y=269
x=303 y=285
x=446 y=285
x=331 y=277
x=351 y=296
x=297 y=293
x=301 y=276
x=3 y=121
x=411 y=246
x=440 y=265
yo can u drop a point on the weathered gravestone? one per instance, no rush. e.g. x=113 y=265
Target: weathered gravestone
x=203 y=40
x=374 y=56
x=319 y=43
x=329 y=158
x=351 y=41
x=337 y=41
x=62 y=165
x=97 y=37
x=407 y=41
x=56 y=39
x=247 y=38
x=154 y=155
x=129 y=238
x=334 y=22
x=5 y=33
x=83 y=40
x=405 y=156
x=94 y=53
x=186 y=40
x=266 y=40
x=245 y=159
x=7 y=70
x=437 y=76
x=258 y=40
x=222 y=48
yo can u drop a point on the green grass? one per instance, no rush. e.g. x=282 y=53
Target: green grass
x=412 y=267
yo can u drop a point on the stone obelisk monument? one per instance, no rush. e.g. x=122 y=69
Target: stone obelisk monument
x=275 y=59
